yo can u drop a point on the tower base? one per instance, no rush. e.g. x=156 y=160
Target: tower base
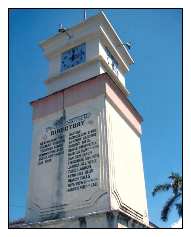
x=111 y=219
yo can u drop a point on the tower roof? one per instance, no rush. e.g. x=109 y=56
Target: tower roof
x=97 y=24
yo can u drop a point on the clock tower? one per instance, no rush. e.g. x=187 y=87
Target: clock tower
x=86 y=167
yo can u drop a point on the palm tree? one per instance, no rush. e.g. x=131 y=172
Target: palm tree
x=175 y=185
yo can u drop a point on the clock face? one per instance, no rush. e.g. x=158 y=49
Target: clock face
x=73 y=57
x=112 y=61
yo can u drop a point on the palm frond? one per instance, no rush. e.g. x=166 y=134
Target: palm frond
x=176 y=183
x=175 y=176
x=179 y=209
x=167 y=207
x=161 y=188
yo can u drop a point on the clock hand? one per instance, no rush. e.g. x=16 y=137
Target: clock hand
x=74 y=56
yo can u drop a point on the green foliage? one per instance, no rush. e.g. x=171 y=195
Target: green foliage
x=175 y=186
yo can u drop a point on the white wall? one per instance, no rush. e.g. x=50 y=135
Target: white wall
x=55 y=60
x=102 y=52
x=74 y=76
x=126 y=169
x=92 y=67
x=44 y=181
x=54 y=65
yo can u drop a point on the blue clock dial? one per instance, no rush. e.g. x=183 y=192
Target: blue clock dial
x=73 y=57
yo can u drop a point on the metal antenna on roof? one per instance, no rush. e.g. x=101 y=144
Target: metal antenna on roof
x=63 y=30
x=128 y=45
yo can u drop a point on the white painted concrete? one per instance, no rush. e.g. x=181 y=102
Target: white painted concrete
x=126 y=168
x=97 y=33
x=48 y=189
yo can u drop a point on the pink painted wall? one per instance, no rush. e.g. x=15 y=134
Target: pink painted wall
x=89 y=89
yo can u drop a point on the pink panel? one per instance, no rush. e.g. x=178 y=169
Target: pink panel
x=84 y=91
x=87 y=90
x=47 y=105
x=72 y=95
x=122 y=104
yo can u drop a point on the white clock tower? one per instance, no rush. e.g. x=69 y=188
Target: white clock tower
x=86 y=167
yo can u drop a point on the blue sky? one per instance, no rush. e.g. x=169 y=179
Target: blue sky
x=154 y=82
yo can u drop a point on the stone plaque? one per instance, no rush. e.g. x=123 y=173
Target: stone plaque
x=67 y=157
x=76 y=141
